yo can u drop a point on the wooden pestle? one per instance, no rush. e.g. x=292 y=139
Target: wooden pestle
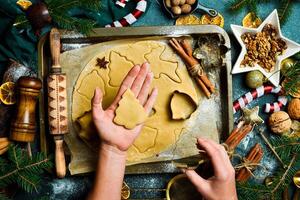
x=23 y=126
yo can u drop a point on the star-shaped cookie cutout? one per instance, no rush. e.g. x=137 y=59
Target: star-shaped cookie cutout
x=292 y=48
x=102 y=63
x=250 y=116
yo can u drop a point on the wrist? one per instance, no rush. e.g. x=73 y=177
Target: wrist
x=112 y=151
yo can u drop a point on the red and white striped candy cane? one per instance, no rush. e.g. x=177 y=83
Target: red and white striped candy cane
x=131 y=17
x=121 y=3
x=276 y=106
x=258 y=92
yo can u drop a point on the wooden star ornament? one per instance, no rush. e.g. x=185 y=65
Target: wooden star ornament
x=250 y=116
x=102 y=63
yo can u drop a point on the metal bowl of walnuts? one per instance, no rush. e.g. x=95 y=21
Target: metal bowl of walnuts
x=177 y=8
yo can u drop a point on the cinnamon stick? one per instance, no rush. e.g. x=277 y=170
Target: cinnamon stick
x=184 y=50
x=187 y=47
x=207 y=83
x=204 y=89
x=237 y=135
x=254 y=157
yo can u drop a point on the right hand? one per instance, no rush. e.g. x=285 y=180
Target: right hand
x=222 y=185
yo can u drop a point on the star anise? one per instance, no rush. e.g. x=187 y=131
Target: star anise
x=102 y=63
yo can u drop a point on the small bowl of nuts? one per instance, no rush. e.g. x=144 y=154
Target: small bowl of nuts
x=177 y=8
x=263 y=48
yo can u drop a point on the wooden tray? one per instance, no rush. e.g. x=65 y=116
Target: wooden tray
x=71 y=40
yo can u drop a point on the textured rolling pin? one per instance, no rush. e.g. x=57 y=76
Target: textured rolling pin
x=57 y=103
x=23 y=126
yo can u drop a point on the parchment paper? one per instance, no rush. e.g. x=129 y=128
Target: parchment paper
x=204 y=121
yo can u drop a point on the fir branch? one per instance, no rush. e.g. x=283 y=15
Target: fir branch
x=71 y=23
x=59 y=11
x=66 y=5
x=23 y=170
x=284 y=9
x=288 y=150
x=21 y=22
x=238 y=4
x=253 y=191
x=3 y=196
x=292 y=79
x=283 y=178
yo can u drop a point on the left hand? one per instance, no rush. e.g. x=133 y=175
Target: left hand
x=138 y=79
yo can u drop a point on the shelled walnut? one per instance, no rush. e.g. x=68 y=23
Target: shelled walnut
x=263 y=48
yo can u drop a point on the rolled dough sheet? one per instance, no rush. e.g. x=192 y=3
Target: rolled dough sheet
x=162 y=138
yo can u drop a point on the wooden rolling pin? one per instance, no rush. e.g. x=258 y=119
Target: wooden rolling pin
x=57 y=103
x=23 y=126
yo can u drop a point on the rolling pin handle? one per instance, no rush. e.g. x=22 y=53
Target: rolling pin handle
x=60 y=158
x=55 y=47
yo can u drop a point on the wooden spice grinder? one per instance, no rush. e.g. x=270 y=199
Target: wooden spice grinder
x=57 y=103
x=23 y=126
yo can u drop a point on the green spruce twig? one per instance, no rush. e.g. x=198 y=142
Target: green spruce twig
x=19 y=168
x=61 y=17
x=283 y=9
x=271 y=147
x=292 y=79
x=288 y=150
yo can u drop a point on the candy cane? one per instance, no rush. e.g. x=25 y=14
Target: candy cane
x=258 y=92
x=131 y=17
x=121 y=3
x=274 y=107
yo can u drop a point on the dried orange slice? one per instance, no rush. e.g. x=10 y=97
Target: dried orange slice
x=125 y=192
x=296 y=94
x=251 y=20
x=218 y=20
x=24 y=4
x=188 y=20
x=7 y=93
x=4 y=144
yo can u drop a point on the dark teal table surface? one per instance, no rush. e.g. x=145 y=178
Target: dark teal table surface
x=151 y=186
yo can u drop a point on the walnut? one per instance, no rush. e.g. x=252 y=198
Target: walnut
x=263 y=48
x=294 y=109
x=280 y=122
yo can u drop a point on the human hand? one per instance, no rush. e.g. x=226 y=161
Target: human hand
x=138 y=79
x=222 y=185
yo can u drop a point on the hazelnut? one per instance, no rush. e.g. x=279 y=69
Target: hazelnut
x=176 y=10
x=175 y=2
x=294 y=109
x=280 y=122
x=190 y=2
x=168 y=3
x=186 y=8
x=182 y=2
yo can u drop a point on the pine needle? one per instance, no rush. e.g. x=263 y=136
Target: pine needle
x=288 y=149
x=251 y=5
x=284 y=9
x=292 y=79
x=60 y=13
x=22 y=170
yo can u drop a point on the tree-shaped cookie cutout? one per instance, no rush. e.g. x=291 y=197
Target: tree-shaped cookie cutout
x=130 y=112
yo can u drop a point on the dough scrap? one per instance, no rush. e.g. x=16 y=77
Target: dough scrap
x=130 y=112
x=182 y=105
